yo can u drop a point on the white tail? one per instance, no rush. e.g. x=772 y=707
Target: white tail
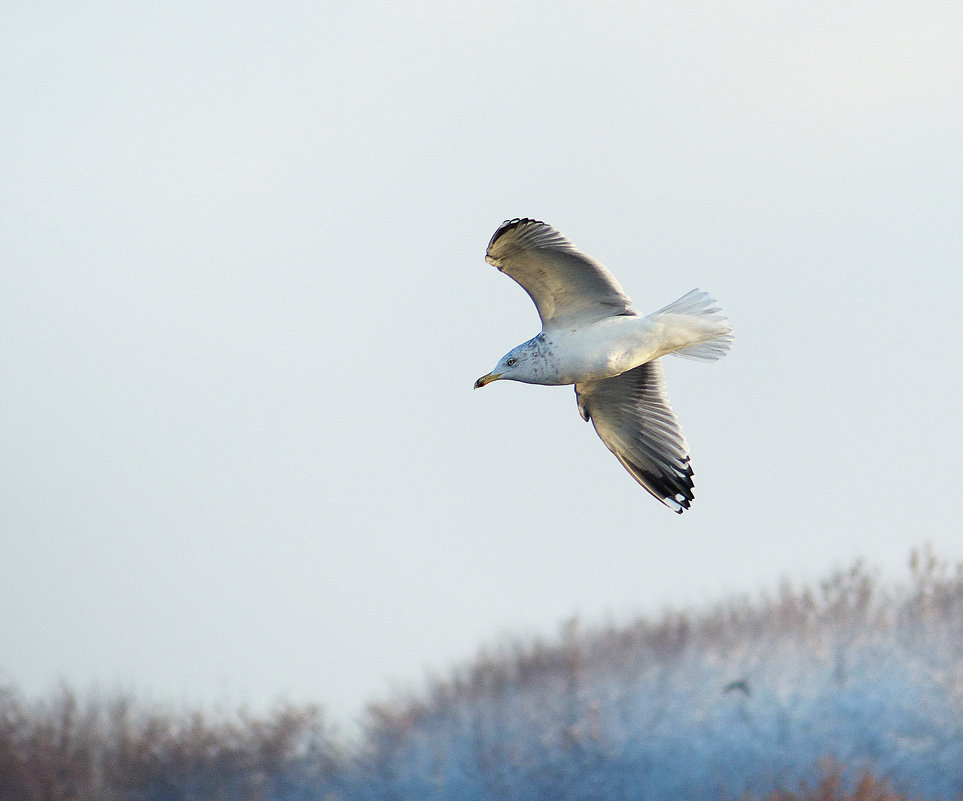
x=702 y=308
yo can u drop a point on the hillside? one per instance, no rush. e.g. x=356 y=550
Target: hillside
x=830 y=684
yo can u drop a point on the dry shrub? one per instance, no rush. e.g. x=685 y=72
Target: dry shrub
x=62 y=750
x=833 y=787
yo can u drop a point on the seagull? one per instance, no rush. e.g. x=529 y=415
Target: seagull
x=591 y=338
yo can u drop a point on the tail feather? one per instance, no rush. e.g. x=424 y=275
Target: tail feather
x=700 y=306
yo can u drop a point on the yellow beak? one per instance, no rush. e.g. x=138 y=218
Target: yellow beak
x=487 y=379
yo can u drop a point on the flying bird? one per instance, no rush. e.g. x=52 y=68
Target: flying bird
x=591 y=338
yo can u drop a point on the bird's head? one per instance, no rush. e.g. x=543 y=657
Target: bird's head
x=516 y=365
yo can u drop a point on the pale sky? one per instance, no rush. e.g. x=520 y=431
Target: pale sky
x=243 y=302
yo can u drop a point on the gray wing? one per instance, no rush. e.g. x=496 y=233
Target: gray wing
x=631 y=414
x=564 y=283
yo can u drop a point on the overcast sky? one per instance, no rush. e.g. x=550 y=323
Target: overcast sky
x=243 y=302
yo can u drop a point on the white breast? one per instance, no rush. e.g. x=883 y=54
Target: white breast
x=603 y=349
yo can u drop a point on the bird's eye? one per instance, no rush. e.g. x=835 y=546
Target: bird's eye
x=510 y=362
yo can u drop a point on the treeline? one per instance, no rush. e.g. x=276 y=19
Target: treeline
x=65 y=749
x=851 y=689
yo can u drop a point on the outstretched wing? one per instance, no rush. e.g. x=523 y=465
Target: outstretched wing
x=631 y=414
x=565 y=284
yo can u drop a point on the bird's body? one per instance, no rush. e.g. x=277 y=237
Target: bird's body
x=591 y=338
x=606 y=348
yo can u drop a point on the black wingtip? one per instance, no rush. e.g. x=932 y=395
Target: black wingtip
x=511 y=225
x=676 y=490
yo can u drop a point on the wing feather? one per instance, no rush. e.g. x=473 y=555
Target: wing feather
x=632 y=416
x=565 y=284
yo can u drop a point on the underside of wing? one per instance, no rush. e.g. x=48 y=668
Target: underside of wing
x=564 y=283
x=632 y=416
